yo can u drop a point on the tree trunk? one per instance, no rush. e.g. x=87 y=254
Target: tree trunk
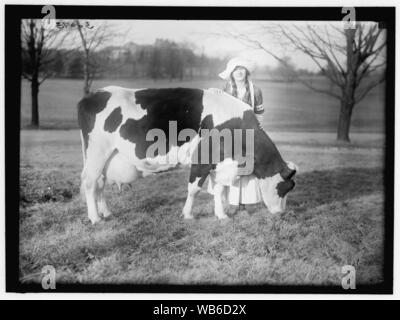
x=86 y=88
x=347 y=102
x=346 y=109
x=35 y=101
x=343 y=129
x=86 y=74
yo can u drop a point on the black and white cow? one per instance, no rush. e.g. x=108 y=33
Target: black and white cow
x=115 y=123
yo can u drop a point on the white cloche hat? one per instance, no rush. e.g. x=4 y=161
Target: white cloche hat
x=233 y=63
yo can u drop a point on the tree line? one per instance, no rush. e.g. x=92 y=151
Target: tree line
x=164 y=59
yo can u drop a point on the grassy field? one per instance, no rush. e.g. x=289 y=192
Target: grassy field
x=335 y=217
x=289 y=107
x=335 y=214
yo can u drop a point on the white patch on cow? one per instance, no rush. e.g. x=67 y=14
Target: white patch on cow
x=222 y=107
x=97 y=154
x=225 y=175
x=226 y=172
x=124 y=98
x=176 y=155
x=269 y=193
x=292 y=166
x=160 y=162
x=114 y=89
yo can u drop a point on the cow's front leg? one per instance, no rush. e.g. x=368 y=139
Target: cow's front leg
x=193 y=190
x=219 y=191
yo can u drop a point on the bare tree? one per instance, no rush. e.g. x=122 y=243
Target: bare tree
x=347 y=57
x=91 y=38
x=285 y=70
x=38 y=52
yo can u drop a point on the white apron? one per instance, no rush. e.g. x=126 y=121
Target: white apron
x=245 y=190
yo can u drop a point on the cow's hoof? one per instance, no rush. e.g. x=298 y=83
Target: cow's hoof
x=95 y=220
x=187 y=214
x=222 y=217
x=106 y=213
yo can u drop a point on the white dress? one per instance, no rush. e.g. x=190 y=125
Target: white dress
x=245 y=190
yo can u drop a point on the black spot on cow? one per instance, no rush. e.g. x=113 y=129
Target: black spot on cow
x=284 y=187
x=287 y=173
x=113 y=120
x=88 y=107
x=182 y=105
x=207 y=122
x=200 y=171
x=267 y=158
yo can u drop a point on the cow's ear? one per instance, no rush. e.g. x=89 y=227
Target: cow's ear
x=287 y=173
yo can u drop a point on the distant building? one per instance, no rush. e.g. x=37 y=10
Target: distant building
x=120 y=52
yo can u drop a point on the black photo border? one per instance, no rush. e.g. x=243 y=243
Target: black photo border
x=13 y=16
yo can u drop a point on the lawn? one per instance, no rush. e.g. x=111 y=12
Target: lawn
x=335 y=217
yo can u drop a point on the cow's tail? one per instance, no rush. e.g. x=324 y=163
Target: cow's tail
x=83 y=148
x=82 y=189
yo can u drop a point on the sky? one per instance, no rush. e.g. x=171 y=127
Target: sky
x=208 y=36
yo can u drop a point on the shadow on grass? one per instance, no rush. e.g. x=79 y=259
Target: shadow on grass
x=312 y=189
x=323 y=187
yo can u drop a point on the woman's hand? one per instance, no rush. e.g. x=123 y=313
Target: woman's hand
x=216 y=90
x=260 y=118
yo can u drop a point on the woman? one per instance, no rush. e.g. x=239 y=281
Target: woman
x=239 y=85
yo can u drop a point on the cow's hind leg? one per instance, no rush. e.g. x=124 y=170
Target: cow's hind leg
x=101 y=200
x=198 y=174
x=94 y=165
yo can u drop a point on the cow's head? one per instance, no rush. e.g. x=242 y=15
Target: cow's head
x=274 y=189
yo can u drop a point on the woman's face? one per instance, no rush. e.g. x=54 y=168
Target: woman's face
x=239 y=74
